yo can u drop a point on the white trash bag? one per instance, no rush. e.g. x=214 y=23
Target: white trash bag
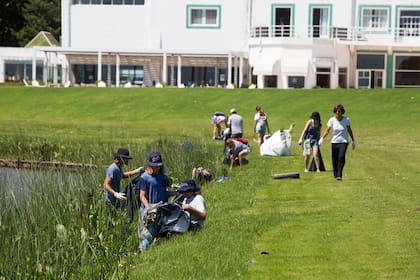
x=278 y=144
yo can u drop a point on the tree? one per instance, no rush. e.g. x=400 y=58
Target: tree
x=11 y=21
x=40 y=15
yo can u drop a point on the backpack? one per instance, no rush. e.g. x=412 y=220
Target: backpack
x=242 y=140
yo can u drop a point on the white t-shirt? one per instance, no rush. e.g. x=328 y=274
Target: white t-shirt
x=196 y=201
x=339 y=129
x=260 y=122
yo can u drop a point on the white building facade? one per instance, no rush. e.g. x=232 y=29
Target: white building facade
x=273 y=44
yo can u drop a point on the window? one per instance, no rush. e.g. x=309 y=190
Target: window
x=407 y=71
x=410 y=23
x=370 y=61
x=342 y=77
x=320 y=18
x=295 y=81
x=200 y=16
x=363 y=79
x=375 y=19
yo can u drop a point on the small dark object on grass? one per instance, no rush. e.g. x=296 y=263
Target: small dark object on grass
x=264 y=253
x=292 y=175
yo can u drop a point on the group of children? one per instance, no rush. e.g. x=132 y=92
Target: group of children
x=310 y=138
x=152 y=187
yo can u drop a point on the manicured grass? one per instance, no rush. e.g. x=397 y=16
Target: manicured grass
x=364 y=227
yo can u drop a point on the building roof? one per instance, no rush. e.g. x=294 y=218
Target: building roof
x=43 y=38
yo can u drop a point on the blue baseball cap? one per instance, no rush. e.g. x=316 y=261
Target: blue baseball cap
x=155 y=159
x=188 y=185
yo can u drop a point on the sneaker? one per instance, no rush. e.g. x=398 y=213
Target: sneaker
x=338 y=178
x=306 y=170
x=214 y=137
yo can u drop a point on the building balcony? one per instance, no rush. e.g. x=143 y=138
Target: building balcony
x=285 y=34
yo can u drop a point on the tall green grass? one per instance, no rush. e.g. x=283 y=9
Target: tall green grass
x=364 y=227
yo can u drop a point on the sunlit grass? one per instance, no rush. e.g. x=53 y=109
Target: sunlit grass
x=365 y=227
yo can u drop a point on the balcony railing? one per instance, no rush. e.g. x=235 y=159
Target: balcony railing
x=350 y=34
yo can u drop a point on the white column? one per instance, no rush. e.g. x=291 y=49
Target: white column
x=216 y=76
x=55 y=75
x=172 y=81
x=235 y=71
x=117 y=70
x=178 y=82
x=241 y=71
x=260 y=81
x=34 y=66
x=164 y=67
x=45 y=69
x=99 y=66
x=1 y=70
x=108 y=75
x=229 y=77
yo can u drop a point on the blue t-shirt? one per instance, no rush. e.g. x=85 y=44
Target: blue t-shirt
x=155 y=187
x=313 y=132
x=115 y=173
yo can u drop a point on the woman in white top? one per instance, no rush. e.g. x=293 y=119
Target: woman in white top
x=340 y=126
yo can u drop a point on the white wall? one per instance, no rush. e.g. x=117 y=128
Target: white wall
x=109 y=27
x=172 y=22
x=158 y=25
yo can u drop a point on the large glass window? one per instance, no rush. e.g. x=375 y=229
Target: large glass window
x=132 y=74
x=200 y=16
x=370 y=61
x=375 y=19
x=407 y=71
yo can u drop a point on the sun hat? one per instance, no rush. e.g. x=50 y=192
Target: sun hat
x=188 y=185
x=233 y=110
x=123 y=153
x=155 y=159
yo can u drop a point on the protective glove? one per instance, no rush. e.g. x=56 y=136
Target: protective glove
x=139 y=170
x=353 y=144
x=300 y=142
x=320 y=140
x=120 y=195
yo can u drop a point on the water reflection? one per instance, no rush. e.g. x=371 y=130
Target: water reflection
x=17 y=181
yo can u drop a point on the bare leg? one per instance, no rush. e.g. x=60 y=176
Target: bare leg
x=306 y=162
x=316 y=157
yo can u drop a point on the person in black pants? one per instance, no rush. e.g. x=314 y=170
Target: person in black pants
x=341 y=130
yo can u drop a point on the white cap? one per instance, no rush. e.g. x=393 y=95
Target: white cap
x=233 y=110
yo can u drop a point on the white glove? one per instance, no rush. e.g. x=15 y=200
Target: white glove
x=353 y=144
x=139 y=170
x=300 y=142
x=320 y=140
x=120 y=195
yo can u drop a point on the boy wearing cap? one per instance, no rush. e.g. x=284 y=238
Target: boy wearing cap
x=235 y=124
x=193 y=203
x=114 y=175
x=153 y=186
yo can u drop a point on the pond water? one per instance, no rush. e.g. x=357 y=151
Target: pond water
x=16 y=181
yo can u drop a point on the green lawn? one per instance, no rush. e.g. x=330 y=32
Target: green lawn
x=364 y=227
